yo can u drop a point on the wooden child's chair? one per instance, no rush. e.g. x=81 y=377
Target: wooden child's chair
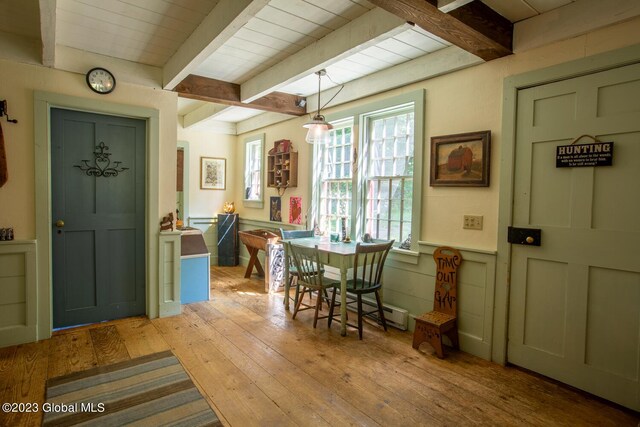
x=443 y=319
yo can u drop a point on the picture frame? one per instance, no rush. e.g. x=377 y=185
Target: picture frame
x=213 y=173
x=295 y=210
x=461 y=160
x=275 y=209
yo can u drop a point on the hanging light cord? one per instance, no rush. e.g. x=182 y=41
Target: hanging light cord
x=332 y=98
x=335 y=94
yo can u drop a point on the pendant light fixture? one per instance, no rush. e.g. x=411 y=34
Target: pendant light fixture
x=318 y=132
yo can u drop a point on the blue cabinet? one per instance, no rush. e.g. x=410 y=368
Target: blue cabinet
x=194 y=267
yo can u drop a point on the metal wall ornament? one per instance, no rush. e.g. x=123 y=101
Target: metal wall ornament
x=102 y=164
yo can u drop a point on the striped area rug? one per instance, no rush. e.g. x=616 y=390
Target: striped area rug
x=152 y=390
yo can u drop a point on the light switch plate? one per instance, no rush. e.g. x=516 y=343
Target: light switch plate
x=472 y=222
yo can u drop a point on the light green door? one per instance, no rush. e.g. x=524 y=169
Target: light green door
x=575 y=300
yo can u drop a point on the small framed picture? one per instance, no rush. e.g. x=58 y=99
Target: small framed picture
x=213 y=173
x=275 y=211
x=295 y=210
x=461 y=160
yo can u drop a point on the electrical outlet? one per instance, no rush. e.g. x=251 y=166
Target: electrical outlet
x=472 y=222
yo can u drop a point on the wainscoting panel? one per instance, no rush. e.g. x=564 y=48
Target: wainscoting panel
x=411 y=286
x=18 y=305
x=169 y=273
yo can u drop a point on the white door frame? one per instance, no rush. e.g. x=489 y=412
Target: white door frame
x=568 y=70
x=43 y=102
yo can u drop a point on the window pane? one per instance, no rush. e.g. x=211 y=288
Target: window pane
x=406 y=211
x=396 y=210
x=394 y=231
x=388 y=148
x=396 y=189
x=384 y=189
x=383 y=209
x=382 y=232
x=389 y=127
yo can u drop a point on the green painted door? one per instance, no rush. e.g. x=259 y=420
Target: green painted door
x=575 y=300
x=97 y=198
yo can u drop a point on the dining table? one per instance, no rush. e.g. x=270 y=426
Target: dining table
x=335 y=254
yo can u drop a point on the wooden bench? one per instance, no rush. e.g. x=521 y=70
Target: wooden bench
x=443 y=319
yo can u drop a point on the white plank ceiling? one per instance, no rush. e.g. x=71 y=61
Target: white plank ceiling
x=152 y=31
x=145 y=31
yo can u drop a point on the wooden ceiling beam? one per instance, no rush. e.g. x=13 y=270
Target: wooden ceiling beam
x=211 y=90
x=474 y=27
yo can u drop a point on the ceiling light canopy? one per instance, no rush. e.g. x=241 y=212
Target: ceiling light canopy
x=318 y=128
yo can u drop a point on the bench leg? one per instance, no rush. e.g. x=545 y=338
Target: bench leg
x=435 y=339
x=453 y=336
x=429 y=333
x=419 y=334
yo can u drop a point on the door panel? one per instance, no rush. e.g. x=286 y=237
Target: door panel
x=575 y=300
x=98 y=255
x=80 y=290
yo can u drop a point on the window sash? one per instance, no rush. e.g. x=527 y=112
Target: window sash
x=388 y=214
x=388 y=175
x=336 y=182
x=253 y=170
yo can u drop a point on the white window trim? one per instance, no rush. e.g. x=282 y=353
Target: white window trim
x=258 y=204
x=358 y=115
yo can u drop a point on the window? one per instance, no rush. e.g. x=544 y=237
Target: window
x=336 y=179
x=253 y=155
x=388 y=175
x=366 y=171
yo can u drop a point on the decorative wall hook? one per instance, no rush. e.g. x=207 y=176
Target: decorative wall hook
x=3 y=111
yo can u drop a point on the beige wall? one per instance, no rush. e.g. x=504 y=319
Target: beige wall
x=208 y=203
x=463 y=101
x=293 y=131
x=17 y=84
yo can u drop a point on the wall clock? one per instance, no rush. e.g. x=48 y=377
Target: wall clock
x=101 y=81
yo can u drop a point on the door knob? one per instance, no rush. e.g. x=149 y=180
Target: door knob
x=530 y=240
x=59 y=223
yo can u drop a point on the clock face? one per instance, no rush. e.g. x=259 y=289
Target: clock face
x=101 y=81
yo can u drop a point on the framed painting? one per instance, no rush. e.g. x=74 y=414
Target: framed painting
x=275 y=210
x=295 y=210
x=213 y=173
x=461 y=160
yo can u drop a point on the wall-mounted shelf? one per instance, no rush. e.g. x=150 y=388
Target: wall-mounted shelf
x=282 y=166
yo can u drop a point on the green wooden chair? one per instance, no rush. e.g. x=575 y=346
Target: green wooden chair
x=310 y=278
x=367 y=278
x=293 y=272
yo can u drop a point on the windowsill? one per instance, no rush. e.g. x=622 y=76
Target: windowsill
x=404 y=255
x=257 y=204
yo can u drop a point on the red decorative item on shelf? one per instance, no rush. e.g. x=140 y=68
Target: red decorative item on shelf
x=282 y=145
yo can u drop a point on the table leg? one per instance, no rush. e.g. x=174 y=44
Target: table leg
x=253 y=261
x=286 y=278
x=343 y=298
x=253 y=257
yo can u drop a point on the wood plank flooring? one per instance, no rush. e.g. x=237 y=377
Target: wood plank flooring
x=256 y=366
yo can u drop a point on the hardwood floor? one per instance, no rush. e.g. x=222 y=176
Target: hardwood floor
x=256 y=366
